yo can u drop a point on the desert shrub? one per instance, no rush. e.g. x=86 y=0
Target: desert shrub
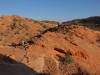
x=54 y=29
x=14 y=23
x=14 y=45
x=17 y=31
x=25 y=42
x=68 y=57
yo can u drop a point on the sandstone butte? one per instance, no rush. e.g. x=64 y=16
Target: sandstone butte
x=31 y=47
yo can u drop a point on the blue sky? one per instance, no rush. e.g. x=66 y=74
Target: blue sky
x=51 y=9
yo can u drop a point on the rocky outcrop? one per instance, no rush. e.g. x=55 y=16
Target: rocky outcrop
x=31 y=47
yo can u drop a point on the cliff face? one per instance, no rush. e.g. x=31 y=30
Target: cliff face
x=47 y=48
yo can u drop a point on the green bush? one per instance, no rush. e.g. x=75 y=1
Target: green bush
x=68 y=57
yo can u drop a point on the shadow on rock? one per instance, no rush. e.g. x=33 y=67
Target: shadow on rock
x=8 y=66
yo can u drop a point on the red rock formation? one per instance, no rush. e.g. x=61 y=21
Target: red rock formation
x=42 y=47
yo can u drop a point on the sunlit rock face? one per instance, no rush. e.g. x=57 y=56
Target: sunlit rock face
x=30 y=47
